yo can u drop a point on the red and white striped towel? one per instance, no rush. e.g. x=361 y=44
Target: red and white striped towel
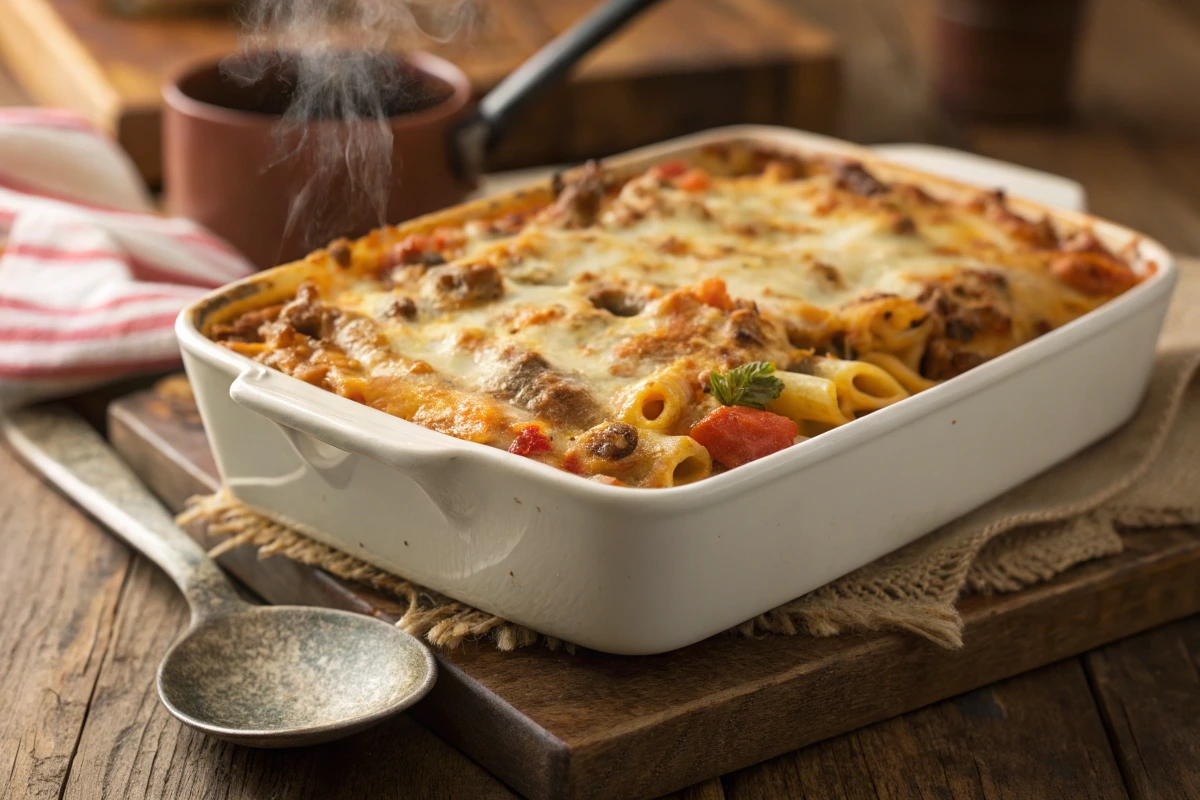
x=91 y=280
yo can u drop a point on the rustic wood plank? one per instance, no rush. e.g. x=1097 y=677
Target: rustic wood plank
x=1037 y=735
x=708 y=790
x=179 y=463
x=60 y=583
x=77 y=680
x=132 y=747
x=1148 y=689
x=592 y=725
x=79 y=714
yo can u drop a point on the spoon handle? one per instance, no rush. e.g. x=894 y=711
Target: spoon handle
x=72 y=456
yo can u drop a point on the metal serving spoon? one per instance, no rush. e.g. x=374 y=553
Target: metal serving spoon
x=264 y=676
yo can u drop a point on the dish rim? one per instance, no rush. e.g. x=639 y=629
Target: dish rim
x=792 y=460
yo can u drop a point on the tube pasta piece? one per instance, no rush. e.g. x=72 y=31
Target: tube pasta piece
x=889 y=323
x=674 y=460
x=656 y=402
x=907 y=377
x=861 y=387
x=905 y=341
x=251 y=349
x=808 y=398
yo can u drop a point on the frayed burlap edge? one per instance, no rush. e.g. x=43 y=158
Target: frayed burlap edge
x=440 y=620
x=840 y=607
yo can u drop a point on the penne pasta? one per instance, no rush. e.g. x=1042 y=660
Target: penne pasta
x=904 y=341
x=677 y=460
x=861 y=387
x=907 y=377
x=808 y=398
x=656 y=402
x=889 y=324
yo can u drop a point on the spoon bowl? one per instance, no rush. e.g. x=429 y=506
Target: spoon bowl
x=282 y=676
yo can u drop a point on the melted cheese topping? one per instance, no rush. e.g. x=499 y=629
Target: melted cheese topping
x=552 y=319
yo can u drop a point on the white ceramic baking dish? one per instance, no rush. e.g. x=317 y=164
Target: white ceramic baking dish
x=647 y=570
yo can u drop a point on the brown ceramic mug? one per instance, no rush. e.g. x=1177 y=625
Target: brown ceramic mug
x=272 y=190
x=1007 y=58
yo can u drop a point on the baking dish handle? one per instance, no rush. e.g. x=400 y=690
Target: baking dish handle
x=426 y=457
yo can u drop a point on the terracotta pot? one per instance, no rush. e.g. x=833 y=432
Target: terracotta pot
x=231 y=166
x=1010 y=58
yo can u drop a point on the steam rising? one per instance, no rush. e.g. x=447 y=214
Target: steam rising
x=322 y=61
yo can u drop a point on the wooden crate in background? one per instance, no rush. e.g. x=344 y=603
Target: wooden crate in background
x=685 y=66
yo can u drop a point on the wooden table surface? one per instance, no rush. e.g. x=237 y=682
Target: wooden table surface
x=83 y=622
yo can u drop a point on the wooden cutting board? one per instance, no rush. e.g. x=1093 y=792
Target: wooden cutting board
x=685 y=66
x=555 y=725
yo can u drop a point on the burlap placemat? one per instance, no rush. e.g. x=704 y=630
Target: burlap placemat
x=1145 y=475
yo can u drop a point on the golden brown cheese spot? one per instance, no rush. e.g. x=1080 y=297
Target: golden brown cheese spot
x=828 y=274
x=673 y=245
x=465 y=418
x=1035 y=233
x=526 y=316
x=702 y=321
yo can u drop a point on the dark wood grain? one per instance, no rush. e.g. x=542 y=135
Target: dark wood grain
x=1148 y=689
x=60 y=585
x=134 y=748
x=708 y=790
x=592 y=725
x=1037 y=735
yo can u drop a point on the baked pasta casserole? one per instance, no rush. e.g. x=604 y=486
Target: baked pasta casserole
x=651 y=329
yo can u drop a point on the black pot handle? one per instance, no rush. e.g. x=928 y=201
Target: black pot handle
x=474 y=137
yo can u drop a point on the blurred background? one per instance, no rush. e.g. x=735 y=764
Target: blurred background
x=1095 y=90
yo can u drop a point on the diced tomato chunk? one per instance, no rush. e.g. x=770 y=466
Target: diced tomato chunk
x=409 y=251
x=446 y=237
x=669 y=169
x=529 y=441
x=1093 y=273
x=736 y=435
x=712 y=292
x=694 y=180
